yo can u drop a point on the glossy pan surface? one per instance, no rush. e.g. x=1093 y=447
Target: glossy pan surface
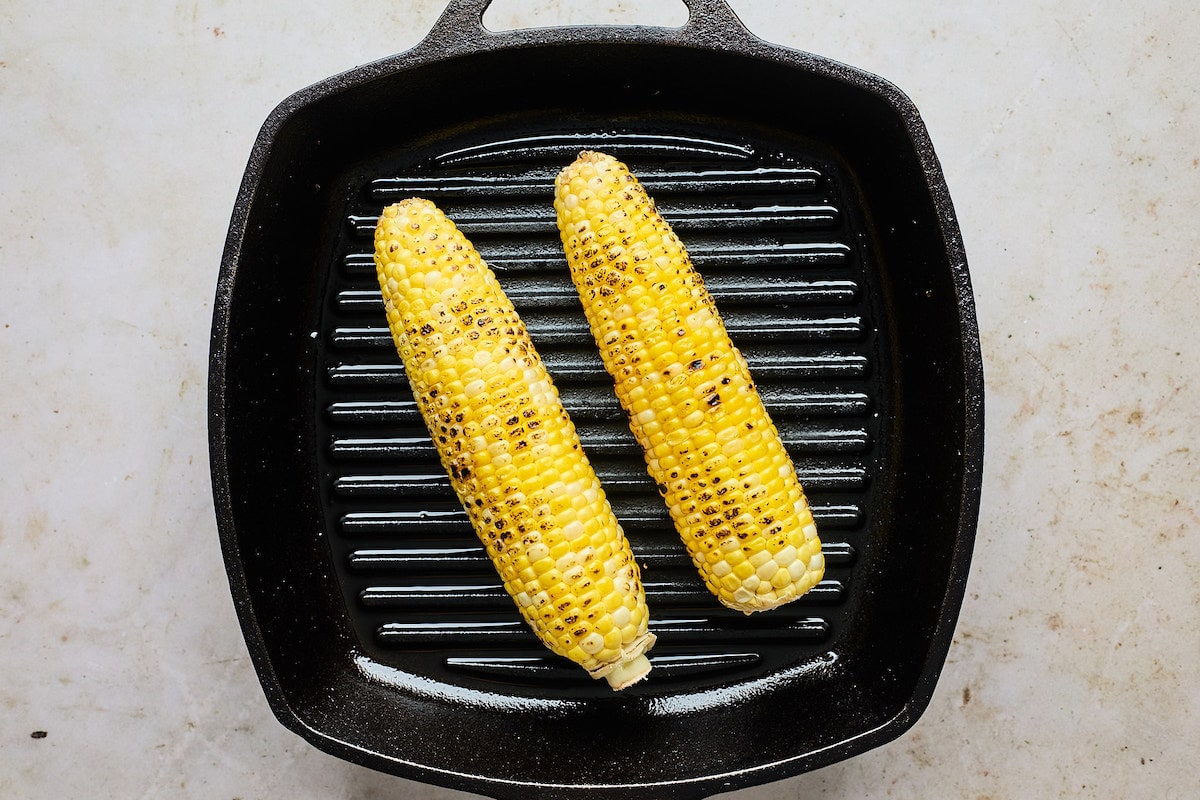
x=810 y=198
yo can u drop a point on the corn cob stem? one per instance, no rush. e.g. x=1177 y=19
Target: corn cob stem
x=512 y=453
x=709 y=443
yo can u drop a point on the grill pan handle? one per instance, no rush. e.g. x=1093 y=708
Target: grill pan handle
x=461 y=26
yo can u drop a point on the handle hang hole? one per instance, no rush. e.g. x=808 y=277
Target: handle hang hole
x=507 y=15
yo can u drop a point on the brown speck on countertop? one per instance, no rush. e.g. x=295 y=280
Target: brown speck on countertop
x=38 y=735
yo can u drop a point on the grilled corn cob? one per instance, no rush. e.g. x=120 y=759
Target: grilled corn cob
x=709 y=444
x=511 y=451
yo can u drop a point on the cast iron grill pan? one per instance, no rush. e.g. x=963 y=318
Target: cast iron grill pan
x=379 y=628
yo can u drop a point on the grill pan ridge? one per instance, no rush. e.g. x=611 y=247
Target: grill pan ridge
x=810 y=199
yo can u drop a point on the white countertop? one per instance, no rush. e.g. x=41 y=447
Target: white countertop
x=1068 y=135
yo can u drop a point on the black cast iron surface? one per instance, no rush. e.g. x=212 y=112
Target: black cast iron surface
x=810 y=199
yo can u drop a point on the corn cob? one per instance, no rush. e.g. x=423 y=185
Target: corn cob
x=511 y=451
x=709 y=444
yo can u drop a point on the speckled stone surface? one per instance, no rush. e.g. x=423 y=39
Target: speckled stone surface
x=1067 y=133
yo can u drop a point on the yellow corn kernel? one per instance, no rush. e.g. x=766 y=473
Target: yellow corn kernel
x=510 y=449
x=710 y=446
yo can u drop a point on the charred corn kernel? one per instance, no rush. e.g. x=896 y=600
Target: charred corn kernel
x=510 y=450
x=710 y=446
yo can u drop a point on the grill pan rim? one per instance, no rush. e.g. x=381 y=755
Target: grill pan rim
x=442 y=44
